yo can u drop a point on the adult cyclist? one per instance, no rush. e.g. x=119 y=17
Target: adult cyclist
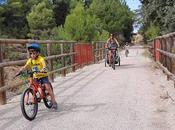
x=111 y=44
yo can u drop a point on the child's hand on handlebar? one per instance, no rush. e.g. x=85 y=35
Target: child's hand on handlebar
x=17 y=74
x=43 y=70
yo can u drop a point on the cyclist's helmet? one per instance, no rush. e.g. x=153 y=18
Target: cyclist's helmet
x=34 y=46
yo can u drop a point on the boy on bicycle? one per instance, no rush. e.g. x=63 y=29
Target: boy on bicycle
x=36 y=63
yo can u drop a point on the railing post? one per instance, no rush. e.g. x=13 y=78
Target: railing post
x=72 y=57
x=2 y=94
x=165 y=49
x=101 y=51
x=97 y=51
x=50 y=62
x=94 y=52
x=169 y=47
x=63 y=72
x=154 y=47
x=161 y=47
x=173 y=51
x=166 y=57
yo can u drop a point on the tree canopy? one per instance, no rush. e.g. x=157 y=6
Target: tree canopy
x=114 y=15
x=82 y=20
x=41 y=20
x=158 y=14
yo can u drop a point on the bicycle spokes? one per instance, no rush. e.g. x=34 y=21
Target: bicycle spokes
x=47 y=100
x=29 y=98
x=29 y=104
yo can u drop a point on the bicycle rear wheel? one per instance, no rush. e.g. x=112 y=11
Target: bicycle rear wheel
x=47 y=99
x=119 y=61
x=113 y=62
x=29 y=104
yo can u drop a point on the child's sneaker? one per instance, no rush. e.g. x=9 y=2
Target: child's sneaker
x=54 y=106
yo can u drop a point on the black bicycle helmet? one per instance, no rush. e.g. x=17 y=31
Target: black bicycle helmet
x=35 y=46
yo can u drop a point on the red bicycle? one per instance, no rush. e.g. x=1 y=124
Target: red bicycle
x=32 y=96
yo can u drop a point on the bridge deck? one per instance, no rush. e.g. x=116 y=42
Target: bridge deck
x=132 y=97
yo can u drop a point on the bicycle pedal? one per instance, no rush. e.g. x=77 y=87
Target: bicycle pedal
x=38 y=99
x=46 y=94
x=29 y=103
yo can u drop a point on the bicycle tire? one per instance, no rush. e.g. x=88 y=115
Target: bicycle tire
x=126 y=53
x=22 y=104
x=119 y=61
x=47 y=102
x=105 y=60
x=113 y=62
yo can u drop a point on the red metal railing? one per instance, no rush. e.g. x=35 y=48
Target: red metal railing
x=156 y=52
x=84 y=54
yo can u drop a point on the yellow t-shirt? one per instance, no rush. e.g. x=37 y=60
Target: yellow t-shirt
x=36 y=65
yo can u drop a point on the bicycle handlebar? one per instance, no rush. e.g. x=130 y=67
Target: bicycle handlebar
x=111 y=49
x=18 y=74
x=29 y=73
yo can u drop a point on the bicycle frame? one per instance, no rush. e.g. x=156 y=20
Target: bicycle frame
x=113 y=51
x=36 y=87
x=114 y=56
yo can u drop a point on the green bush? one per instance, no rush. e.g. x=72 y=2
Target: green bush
x=14 y=55
x=152 y=32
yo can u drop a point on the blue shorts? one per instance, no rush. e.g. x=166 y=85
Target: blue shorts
x=43 y=80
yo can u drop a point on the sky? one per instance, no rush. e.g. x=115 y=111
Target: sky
x=2 y=1
x=133 y=5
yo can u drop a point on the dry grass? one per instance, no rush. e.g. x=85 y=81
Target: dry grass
x=146 y=53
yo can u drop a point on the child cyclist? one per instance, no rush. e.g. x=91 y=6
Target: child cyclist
x=37 y=63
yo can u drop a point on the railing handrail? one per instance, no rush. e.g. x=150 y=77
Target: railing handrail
x=166 y=35
x=171 y=55
x=97 y=47
x=20 y=62
x=5 y=87
x=163 y=48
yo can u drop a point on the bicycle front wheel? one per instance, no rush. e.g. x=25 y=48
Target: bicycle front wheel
x=105 y=60
x=119 y=61
x=126 y=53
x=29 y=104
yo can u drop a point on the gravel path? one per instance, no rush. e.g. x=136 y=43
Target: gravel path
x=135 y=96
